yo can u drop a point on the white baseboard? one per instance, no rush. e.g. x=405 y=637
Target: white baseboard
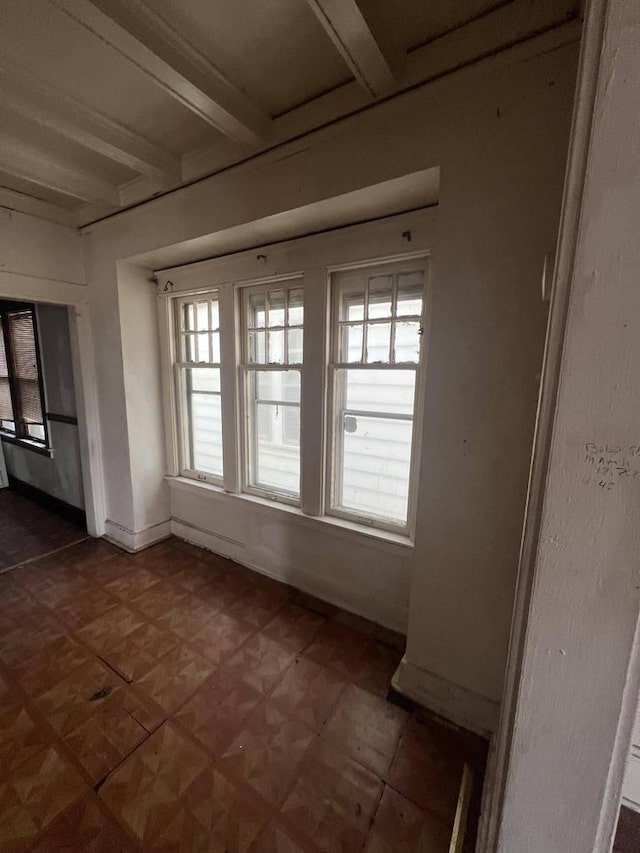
x=460 y=706
x=133 y=541
x=385 y=613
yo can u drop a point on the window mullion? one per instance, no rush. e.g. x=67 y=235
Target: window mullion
x=312 y=412
x=394 y=304
x=365 y=318
x=228 y=327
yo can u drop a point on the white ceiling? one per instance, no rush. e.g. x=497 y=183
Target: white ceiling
x=104 y=103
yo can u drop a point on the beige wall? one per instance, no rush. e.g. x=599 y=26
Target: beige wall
x=580 y=669
x=34 y=248
x=498 y=131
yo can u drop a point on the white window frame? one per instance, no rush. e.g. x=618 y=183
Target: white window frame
x=311 y=259
x=182 y=410
x=406 y=263
x=247 y=367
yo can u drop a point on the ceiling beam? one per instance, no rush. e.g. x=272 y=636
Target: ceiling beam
x=48 y=107
x=140 y=35
x=350 y=33
x=13 y=200
x=32 y=165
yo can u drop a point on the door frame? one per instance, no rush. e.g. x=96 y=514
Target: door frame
x=75 y=298
x=588 y=82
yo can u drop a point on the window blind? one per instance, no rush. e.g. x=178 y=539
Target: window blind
x=25 y=360
x=6 y=408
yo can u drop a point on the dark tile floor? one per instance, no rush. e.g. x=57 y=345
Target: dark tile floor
x=175 y=701
x=628 y=834
x=28 y=529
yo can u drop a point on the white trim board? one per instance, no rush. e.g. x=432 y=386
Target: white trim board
x=400 y=547
x=462 y=707
x=134 y=541
x=29 y=288
x=369 y=242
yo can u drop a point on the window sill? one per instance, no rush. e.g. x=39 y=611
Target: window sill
x=382 y=538
x=27 y=444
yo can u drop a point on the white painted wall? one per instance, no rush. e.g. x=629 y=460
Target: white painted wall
x=34 y=248
x=498 y=131
x=580 y=671
x=61 y=474
x=143 y=389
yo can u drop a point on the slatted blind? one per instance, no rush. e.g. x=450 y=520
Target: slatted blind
x=25 y=361
x=6 y=408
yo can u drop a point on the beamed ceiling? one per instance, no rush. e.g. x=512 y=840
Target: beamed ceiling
x=106 y=103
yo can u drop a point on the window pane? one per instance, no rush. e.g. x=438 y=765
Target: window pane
x=215 y=347
x=206 y=379
x=23 y=341
x=205 y=420
x=276 y=307
x=276 y=457
x=276 y=346
x=277 y=386
x=407 y=342
x=295 y=346
x=204 y=350
x=36 y=431
x=190 y=353
x=202 y=316
x=257 y=351
x=352 y=300
x=275 y=430
x=188 y=317
x=374 y=415
x=256 y=311
x=410 y=287
x=351 y=344
x=378 y=342
x=380 y=295
x=8 y=425
x=296 y=307
x=389 y=391
x=374 y=468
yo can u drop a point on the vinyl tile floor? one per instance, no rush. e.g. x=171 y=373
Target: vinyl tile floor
x=175 y=701
x=29 y=530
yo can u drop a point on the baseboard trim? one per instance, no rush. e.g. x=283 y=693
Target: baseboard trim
x=460 y=706
x=134 y=541
x=385 y=613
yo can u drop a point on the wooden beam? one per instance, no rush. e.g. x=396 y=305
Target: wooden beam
x=141 y=36
x=492 y=33
x=346 y=27
x=22 y=203
x=34 y=166
x=39 y=102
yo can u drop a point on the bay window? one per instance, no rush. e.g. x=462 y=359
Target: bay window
x=297 y=377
